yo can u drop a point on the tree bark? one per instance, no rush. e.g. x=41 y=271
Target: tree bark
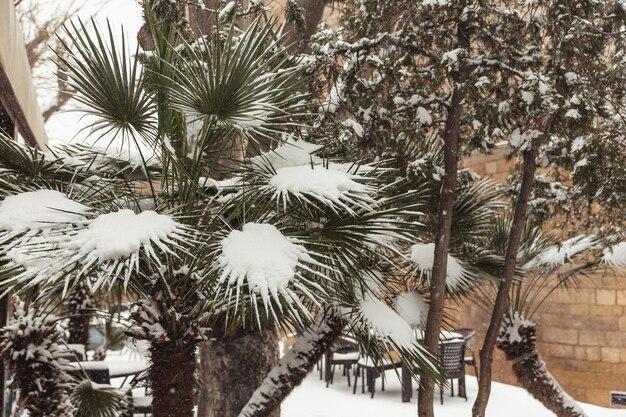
x=80 y=308
x=299 y=38
x=295 y=365
x=172 y=378
x=517 y=340
x=510 y=259
x=444 y=225
x=232 y=367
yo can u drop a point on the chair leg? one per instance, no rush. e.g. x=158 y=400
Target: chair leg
x=382 y=377
x=475 y=366
x=347 y=373
x=441 y=393
x=362 y=380
x=452 y=387
x=356 y=380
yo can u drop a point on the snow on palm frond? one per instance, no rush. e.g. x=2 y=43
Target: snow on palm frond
x=270 y=264
x=457 y=276
x=557 y=255
x=412 y=307
x=615 y=255
x=290 y=153
x=377 y=325
x=36 y=210
x=103 y=249
x=332 y=187
x=386 y=323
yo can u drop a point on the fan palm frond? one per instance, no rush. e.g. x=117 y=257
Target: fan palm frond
x=94 y=400
x=109 y=82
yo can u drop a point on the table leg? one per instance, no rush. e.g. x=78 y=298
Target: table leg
x=407 y=384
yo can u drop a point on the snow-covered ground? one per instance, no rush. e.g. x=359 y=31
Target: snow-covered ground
x=313 y=399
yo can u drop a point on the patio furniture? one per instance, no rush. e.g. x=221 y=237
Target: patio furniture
x=469 y=335
x=451 y=355
x=369 y=371
x=344 y=353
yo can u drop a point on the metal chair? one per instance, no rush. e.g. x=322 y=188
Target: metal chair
x=469 y=335
x=369 y=371
x=451 y=359
x=344 y=353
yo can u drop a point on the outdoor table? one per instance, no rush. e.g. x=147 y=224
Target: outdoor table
x=115 y=369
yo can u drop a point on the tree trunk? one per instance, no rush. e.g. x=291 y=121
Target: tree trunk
x=298 y=38
x=510 y=259
x=517 y=340
x=295 y=365
x=232 y=368
x=172 y=378
x=444 y=226
x=80 y=307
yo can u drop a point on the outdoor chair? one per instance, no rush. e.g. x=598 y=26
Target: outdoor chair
x=451 y=357
x=344 y=353
x=369 y=371
x=469 y=335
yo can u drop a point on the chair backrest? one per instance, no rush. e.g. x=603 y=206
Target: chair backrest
x=345 y=345
x=469 y=335
x=451 y=356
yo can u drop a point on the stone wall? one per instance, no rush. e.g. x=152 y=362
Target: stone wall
x=581 y=332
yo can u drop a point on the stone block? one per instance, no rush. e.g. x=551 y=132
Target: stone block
x=562 y=351
x=591 y=338
x=593 y=354
x=556 y=335
x=605 y=297
x=610 y=355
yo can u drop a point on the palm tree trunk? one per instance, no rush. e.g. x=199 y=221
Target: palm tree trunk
x=172 y=378
x=232 y=367
x=295 y=365
x=517 y=340
x=80 y=307
x=510 y=260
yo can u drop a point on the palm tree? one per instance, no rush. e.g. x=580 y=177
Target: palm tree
x=546 y=266
x=281 y=236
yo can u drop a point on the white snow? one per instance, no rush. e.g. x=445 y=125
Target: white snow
x=572 y=114
x=555 y=256
x=413 y=309
x=423 y=116
x=290 y=153
x=355 y=126
x=615 y=255
x=261 y=255
x=226 y=11
x=325 y=184
x=423 y=255
x=120 y=234
x=528 y=97
x=313 y=399
x=35 y=210
x=387 y=323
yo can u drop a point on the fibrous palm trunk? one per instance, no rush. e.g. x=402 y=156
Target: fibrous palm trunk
x=172 y=377
x=517 y=341
x=80 y=306
x=295 y=365
x=232 y=367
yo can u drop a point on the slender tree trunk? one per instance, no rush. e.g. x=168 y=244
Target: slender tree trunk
x=295 y=365
x=444 y=226
x=299 y=38
x=517 y=340
x=510 y=258
x=232 y=368
x=442 y=241
x=172 y=378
